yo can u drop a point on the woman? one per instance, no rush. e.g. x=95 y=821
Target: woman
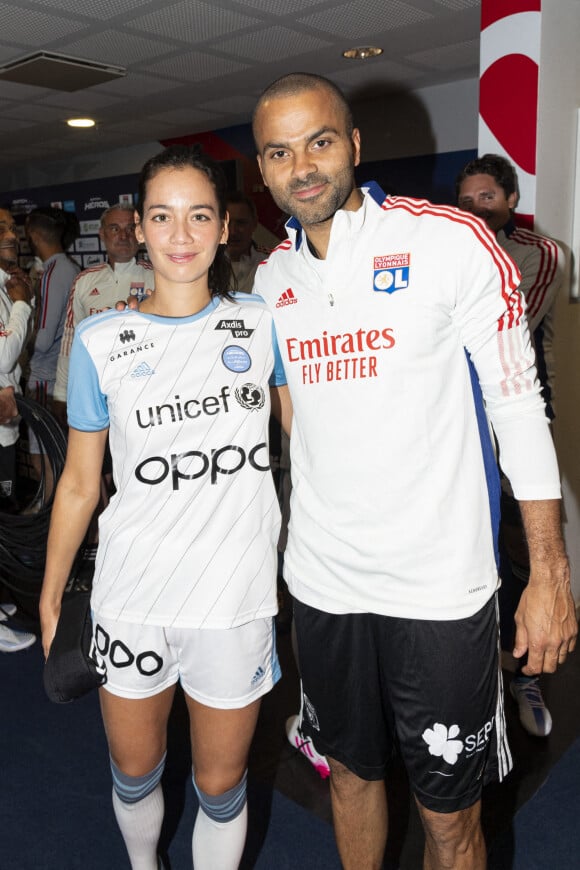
x=184 y=585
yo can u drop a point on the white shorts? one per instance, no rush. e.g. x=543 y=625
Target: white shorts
x=227 y=668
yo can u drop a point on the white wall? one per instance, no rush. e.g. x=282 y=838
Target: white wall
x=103 y=164
x=427 y=121
x=559 y=99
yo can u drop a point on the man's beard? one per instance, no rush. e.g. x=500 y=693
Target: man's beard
x=336 y=193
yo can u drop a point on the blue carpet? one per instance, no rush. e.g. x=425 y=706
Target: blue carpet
x=55 y=795
x=55 y=807
x=545 y=833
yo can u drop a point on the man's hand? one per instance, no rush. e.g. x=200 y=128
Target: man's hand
x=8 y=409
x=546 y=626
x=132 y=303
x=19 y=286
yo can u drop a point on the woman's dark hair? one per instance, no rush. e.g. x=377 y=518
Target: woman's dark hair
x=55 y=224
x=183 y=157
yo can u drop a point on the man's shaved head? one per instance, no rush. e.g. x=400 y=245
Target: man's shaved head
x=294 y=84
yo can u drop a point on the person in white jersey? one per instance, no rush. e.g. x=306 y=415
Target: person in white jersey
x=100 y=287
x=185 y=578
x=488 y=187
x=394 y=318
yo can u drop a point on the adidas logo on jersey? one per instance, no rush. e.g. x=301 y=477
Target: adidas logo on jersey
x=259 y=675
x=286 y=298
x=94 y=292
x=142 y=371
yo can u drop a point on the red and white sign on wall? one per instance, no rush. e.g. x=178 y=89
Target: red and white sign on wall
x=508 y=90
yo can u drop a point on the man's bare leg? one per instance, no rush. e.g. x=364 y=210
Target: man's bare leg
x=359 y=811
x=453 y=841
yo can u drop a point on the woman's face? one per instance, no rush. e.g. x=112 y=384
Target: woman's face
x=181 y=226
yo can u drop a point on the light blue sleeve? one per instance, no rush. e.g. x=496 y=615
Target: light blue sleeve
x=87 y=407
x=278 y=377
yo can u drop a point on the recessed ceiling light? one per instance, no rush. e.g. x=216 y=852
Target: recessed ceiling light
x=362 y=52
x=81 y=122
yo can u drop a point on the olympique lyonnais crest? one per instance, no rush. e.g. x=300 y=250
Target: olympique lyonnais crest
x=391 y=272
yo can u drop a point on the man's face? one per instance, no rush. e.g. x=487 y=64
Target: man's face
x=241 y=229
x=118 y=236
x=482 y=196
x=8 y=240
x=306 y=154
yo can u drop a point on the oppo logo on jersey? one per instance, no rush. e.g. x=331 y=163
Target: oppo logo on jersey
x=194 y=464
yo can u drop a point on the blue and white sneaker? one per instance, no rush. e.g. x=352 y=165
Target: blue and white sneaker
x=534 y=715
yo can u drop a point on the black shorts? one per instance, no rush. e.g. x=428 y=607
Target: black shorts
x=430 y=688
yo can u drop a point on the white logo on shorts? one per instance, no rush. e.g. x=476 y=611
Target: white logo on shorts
x=442 y=742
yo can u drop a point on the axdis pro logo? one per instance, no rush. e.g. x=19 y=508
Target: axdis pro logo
x=194 y=464
x=391 y=272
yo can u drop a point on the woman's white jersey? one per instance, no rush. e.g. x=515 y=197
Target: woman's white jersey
x=388 y=345
x=189 y=538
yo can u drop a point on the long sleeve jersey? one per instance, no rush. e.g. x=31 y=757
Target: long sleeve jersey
x=95 y=290
x=14 y=317
x=59 y=273
x=391 y=346
x=541 y=263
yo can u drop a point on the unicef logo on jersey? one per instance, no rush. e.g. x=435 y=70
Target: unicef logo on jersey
x=250 y=396
x=236 y=358
x=391 y=272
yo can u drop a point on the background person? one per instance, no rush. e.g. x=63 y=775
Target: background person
x=245 y=255
x=488 y=187
x=100 y=287
x=49 y=232
x=15 y=313
x=393 y=316
x=186 y=404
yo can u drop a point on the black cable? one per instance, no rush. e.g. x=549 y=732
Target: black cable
x=23 y=536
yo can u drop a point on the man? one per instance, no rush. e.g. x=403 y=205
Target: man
x=49 y=231
x=388 y=311
x=101 y=287
x=488 y=187
x=15 y=311
x=245 y=256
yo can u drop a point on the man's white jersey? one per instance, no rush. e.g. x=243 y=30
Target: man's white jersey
x=97 y=289
x=189 y=538
x=385 y=345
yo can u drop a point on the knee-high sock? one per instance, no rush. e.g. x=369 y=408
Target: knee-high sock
x=219 y=844
x=140 y=824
